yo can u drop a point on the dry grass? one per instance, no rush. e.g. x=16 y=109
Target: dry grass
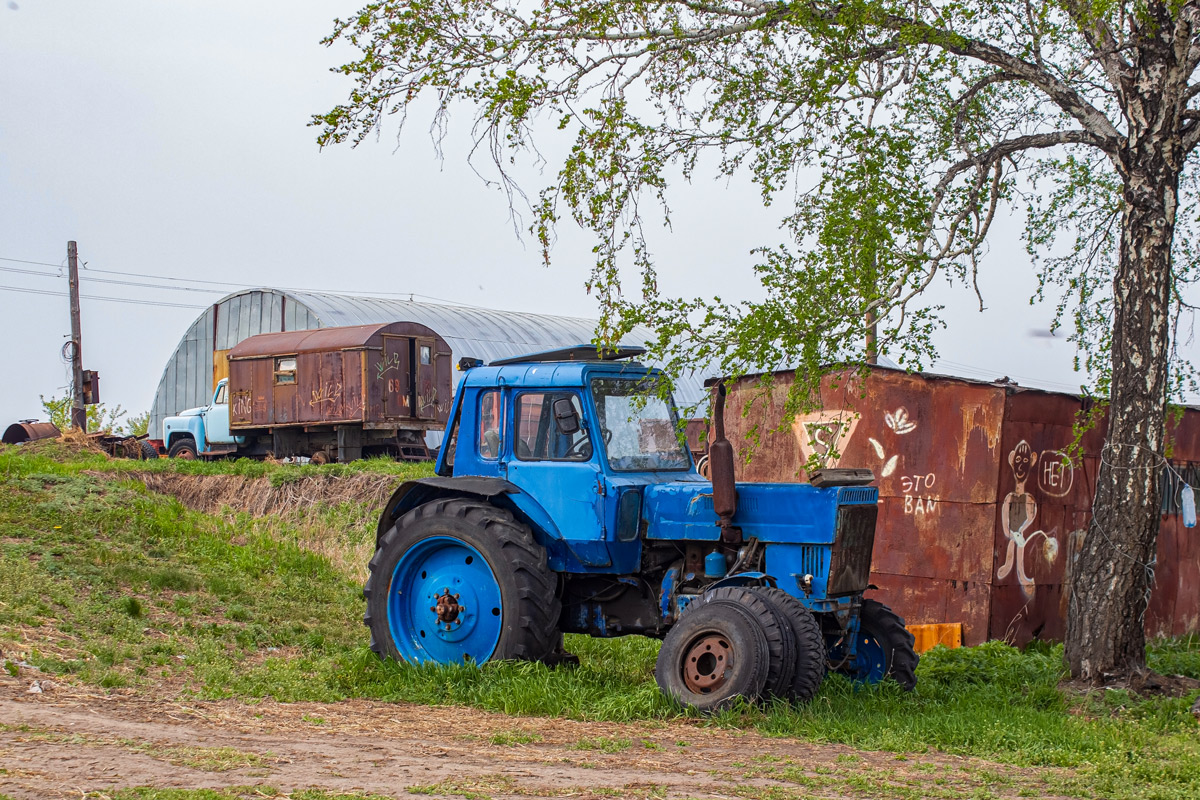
x=331 y=515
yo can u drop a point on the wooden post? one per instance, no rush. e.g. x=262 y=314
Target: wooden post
x=78 y=410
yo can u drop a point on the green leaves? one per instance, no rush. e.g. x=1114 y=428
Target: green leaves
x=884 y=137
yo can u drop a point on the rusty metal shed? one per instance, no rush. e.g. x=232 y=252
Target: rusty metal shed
x=980 y=506
x=201 y=359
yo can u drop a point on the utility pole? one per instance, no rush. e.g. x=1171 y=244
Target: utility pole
x=78 y=409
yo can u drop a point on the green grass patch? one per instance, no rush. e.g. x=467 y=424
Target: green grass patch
x=116 y=586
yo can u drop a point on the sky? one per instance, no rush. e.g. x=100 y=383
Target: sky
x=171 y=140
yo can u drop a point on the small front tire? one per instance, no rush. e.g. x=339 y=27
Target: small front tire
x=884 y=648
x=183 y=448
x=716 y=653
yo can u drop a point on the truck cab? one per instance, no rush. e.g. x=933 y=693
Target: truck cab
x=201 y=431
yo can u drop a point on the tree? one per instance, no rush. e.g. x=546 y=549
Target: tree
x=99 y=417
x=893 y=133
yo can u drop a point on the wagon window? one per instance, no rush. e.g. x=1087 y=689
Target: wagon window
x=489 y=425
x=426 y=355
x=285 y=370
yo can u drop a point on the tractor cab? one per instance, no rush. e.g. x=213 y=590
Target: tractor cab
x=579 y=436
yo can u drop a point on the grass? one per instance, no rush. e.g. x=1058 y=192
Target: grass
x=119 y=587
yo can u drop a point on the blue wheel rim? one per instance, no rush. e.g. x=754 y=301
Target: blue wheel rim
x=428 y=570
x=870 y=660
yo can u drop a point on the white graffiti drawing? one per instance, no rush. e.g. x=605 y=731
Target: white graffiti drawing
x=899 y=422
x=1017 y=513
x=889 y=464
x=1056 y=475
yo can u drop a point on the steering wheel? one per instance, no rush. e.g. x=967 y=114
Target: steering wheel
x=581 y=449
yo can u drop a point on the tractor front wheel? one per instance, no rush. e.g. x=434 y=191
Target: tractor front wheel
x=810 y=644
x=458 y=580
x=884 y=648
x=714 y=654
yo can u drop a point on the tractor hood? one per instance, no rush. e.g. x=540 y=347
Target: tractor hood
x=770 y=512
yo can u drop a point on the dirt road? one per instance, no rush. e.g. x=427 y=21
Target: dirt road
x=68 y=742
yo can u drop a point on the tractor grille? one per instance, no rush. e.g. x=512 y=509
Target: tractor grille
x=850 y=565
x=812 y=559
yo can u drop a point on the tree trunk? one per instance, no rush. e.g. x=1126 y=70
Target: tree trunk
x=1112 y=573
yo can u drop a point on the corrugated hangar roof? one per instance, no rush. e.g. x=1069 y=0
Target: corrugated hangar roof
x=480 y=332
x=487 y=334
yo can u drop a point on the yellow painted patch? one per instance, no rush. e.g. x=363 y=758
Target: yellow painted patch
x=929 y=636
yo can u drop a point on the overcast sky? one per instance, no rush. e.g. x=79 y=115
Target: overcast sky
x=171 y=140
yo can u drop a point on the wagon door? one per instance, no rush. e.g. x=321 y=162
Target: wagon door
x=286 y=393
x=427 y=400
x=393 y=373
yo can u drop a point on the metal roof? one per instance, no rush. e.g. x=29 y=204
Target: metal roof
x=486 y=334
x=483 y=333
x=310 y=341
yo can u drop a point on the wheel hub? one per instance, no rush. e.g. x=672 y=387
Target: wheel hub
x=447 y=608
x=706 y=662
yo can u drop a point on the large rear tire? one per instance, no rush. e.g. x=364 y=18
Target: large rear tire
x=884 y=649
x=459 y=580
x=716 y=653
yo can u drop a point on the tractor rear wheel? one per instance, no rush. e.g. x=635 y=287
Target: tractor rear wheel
x=810 y=644
x=716 y=653
x=459 y=580
x=781 y=641
x=884 y=649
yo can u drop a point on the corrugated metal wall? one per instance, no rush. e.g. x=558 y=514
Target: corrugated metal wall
x=980 y=507
x=187 y=381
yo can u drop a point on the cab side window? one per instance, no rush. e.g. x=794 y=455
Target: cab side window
x=542 y=437
x=489 y=425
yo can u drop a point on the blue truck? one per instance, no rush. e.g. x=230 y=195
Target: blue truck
x=564 y=502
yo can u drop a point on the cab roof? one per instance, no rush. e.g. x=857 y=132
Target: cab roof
x=552 y=374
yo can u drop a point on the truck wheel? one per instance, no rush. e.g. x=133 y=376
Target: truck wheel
x=781 y=642
x=183 y=448
x=716 y=653
x=885 y=648
x=459 y=580
x=810 y=645
x=147 y=450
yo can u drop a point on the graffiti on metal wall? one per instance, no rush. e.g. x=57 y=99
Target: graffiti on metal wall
x=824 y=435
x=325 y=393
x=1019 y=509
x=386 y=364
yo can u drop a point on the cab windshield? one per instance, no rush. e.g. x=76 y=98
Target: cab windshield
x=639 y=429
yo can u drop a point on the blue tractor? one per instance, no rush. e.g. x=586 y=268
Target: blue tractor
x=565 y=502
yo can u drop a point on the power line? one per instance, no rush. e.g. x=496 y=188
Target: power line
x=130 y=300
x=90 y=279
x=228 y=284
x=39 y=263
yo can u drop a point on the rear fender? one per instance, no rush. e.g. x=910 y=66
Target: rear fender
x=496 y=491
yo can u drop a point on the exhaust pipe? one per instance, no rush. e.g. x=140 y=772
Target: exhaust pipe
x=720 y=466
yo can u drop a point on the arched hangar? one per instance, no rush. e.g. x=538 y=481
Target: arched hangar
x=202 y=357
